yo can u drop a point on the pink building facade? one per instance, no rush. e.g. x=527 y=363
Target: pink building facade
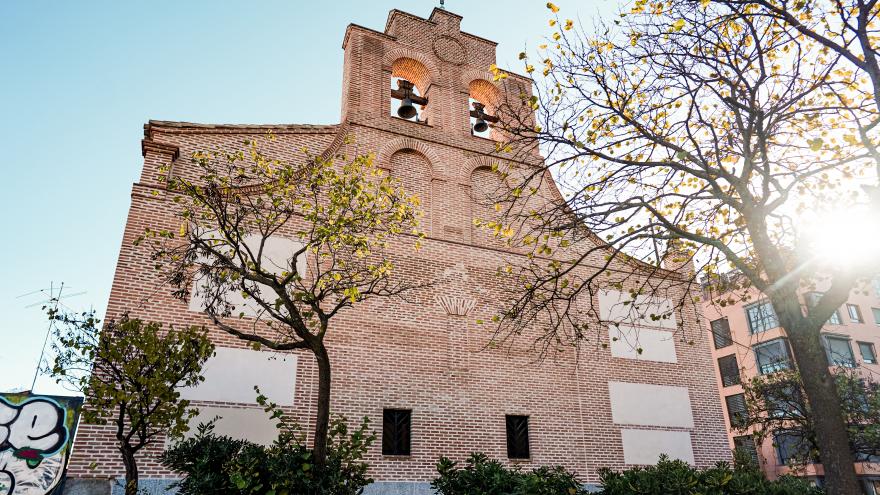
x=747 y=342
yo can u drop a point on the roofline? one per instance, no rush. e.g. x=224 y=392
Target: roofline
x=193 y=127
x=363 y=28
x=394 y=12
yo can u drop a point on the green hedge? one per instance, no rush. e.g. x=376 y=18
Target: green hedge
x=221 y=465
x=482 y=476
x=679 y=478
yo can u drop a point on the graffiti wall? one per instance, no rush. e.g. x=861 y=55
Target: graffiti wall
x=36 y=435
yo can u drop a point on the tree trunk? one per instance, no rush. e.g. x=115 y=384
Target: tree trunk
x=822 y=395
x=322 y=421
x=131 y=471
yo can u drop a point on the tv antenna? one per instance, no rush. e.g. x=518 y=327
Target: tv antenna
x=53 y=296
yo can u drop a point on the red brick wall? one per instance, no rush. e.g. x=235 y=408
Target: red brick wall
x=413 y=354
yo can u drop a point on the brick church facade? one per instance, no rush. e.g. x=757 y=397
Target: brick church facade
x=425 y=358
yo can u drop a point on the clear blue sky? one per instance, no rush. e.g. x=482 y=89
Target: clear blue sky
x=79 y=79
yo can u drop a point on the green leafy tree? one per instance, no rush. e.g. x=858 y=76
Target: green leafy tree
x=222 y=465
x=776 y=404
x=131 y=373
x=295 y=243
x=689 y=140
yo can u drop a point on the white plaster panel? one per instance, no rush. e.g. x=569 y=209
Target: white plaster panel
x=276 y=258
x=244 y=424
x=617 y=307
x=650 y=405
x=230 y=376
x=645 y=446
x=656 y=345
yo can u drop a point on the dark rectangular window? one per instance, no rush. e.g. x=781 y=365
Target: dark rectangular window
x=812 y=299
x=855 y=313
x=876 y=312
x=761 y=317
x=868 y=354
x=790 y=445
x=396 y=425
x=746 y=444
x=517 y=437
x=736 y=410
x=783 y=400
x=721 y=333
x=729 y=369
x=839 y=351
x=772 y=356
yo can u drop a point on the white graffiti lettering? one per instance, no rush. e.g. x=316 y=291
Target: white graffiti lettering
x=32 y=435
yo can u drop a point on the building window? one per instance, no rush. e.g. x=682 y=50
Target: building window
x=866 y=349
x=737 y=412
x=839 y=351
x=790 y=446
x=812 y=298
x=761 y=317
x=729 y=369
x=855 y=313
x=876 y=284
x=721 y=333
x=396 y=425
x=517 y=437
x=772 y=356
x=876 y=312
x=746 y=444
x=784 y=401
x=406 y=101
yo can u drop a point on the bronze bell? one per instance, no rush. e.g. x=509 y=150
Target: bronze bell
x=480 y=125
x=407 y=110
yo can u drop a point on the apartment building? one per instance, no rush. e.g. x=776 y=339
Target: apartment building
x=748 y=342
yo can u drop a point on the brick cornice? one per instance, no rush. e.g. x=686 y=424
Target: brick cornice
x=148 y=145
x=171 y=127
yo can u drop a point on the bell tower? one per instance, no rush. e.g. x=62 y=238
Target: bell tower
x=420 y=95
x=442 y=70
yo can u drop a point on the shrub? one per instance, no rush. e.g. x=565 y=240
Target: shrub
x=482 y=476
x=675 y=477
x=222 y=465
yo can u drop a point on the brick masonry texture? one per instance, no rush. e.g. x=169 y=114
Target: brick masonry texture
x=422 y=354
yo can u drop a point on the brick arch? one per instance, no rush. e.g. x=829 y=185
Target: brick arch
x=412 y=66
x=383 y=158
x=486 y=93
x=469 y=166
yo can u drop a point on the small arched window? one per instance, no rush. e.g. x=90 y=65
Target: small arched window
x=410 y=81
x=406 y=101
x=482 y=103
